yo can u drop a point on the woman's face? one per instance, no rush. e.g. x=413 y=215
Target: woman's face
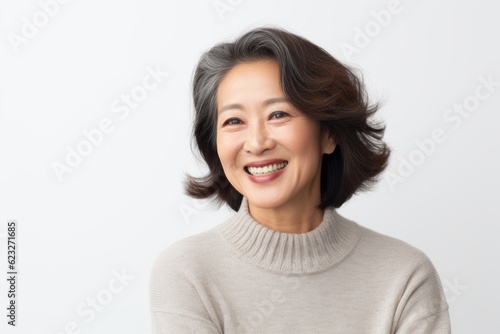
x=270 y=152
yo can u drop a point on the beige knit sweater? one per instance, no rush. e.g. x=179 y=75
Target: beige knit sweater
x=242 y=277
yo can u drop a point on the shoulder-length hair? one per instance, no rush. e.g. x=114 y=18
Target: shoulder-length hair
x=320 y=87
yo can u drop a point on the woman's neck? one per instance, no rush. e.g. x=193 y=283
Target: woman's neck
x=289 y=218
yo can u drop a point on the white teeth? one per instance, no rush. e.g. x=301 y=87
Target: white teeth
x=267 y=169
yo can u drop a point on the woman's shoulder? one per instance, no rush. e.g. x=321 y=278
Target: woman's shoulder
x=381 y=249
x=181 y=271
x=188 y=251
x=407 y=273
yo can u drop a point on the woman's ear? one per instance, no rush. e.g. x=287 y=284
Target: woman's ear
x=328 y=143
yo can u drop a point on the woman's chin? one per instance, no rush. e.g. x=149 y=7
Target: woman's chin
x=264 y=201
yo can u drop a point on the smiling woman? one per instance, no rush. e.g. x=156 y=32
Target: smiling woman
x=285 y=130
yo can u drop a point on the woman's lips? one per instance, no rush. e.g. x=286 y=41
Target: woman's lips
x=265 y=168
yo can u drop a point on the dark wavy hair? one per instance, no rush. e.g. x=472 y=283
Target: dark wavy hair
x=320 y=87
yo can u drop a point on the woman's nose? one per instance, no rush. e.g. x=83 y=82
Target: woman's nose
x=258 y=139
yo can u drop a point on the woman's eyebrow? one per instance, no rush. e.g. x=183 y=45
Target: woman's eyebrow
x=275 y=100
x=230 y=106
x=265 y=103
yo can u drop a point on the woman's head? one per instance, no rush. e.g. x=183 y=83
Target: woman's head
x=269 y=150
x=315 y=86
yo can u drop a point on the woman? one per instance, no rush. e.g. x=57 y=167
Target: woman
x=284 y=129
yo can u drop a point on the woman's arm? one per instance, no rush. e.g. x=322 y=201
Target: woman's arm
x=178 y=302
x=166 y=322
x=423 y=308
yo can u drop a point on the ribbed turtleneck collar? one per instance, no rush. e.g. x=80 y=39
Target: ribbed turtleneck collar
x=289 y=253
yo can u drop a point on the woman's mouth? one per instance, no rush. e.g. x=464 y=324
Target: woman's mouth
x=265 y=170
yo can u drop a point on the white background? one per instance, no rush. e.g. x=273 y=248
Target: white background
x=123 y=203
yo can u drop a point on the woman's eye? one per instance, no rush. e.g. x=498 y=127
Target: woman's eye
x=231 y=121
x=279 y=114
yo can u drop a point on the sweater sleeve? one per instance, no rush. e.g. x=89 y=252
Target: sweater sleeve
x=423 y=308
x=178 y=302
